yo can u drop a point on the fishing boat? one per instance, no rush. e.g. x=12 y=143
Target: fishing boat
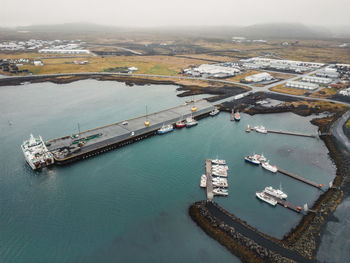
x=220 y=191
x=165 y=129
x=180 y=123
x=214 y=112
x=275 y=192
x=268 y=199
x=251 y=159
x=269 y=167
x=237 y=116
x=248 y=128
x=203 y=182
x=36 y=153
x=190 y=122
x=261 y=158
x=260 y=129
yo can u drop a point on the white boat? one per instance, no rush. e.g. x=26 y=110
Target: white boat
x=252 y=159
x=203 y=181
x=269 y=167
x=264 y=197
x=248 y=128
x=190 y=122
x=214 y=112
x=220 y=184
x=260 y=129
x=217 y=161
x=219 y=180
x=261 y=158
x=219 y=173
x=275 y=192
x=36 y=153
x=220 y=191
x=223 y=167
x=165 y=129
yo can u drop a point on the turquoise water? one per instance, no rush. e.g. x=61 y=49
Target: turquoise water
x=131 y=204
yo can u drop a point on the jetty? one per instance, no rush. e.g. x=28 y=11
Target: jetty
x=299 y=178
x=95 y=141
x=210 y=194
x=286 y=204
x=289 y=133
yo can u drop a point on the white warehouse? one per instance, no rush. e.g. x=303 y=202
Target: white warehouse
x=316 y=80
x=65 y=51
x=301 y=85
x=258 y=77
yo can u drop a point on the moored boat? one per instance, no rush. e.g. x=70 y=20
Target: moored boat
x=269 y=167
x=260 y=129
x=268 y=199
x=251 y=159
x=203 y=182
x=214 y=112
x=260 y=157
x=217 y=161
x=165 y=129
x=36 y=153
x=190 y=122
x=219 y=180
x=220 y=191
x=180 y=124
x=275 y=192
x=248 y=128
x=220 y=184
x=237 y=116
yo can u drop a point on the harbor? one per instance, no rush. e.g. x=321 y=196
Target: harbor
x=102 y=139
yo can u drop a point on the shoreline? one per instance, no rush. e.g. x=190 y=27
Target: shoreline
x=305 y=237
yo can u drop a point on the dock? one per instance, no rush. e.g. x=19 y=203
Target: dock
x=285 y=204
x=209 y=188
x=289 y=133
x=299 y=178
x=102 y=139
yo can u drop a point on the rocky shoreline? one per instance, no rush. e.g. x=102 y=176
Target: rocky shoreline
x=303 y=239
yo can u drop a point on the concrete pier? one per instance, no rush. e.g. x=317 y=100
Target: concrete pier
x=210 y=194
x=65 y=149
x=299 y=178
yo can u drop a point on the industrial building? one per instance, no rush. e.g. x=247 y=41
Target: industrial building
x=328 y=73
x=212 y=70
x=302 y=85
x=345 y=92
x=317 y=80
x=264 y=76
x=65 y=51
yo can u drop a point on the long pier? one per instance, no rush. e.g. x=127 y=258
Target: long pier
x=209 y=188
x=102 y=139
x=289 y=133
x=299 y=178
x=286 y=204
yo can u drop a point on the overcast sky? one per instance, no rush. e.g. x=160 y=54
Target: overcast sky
x=174 y=12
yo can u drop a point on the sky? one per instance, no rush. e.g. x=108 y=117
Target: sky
x=149 y=13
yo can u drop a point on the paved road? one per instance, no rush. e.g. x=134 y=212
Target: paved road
x=247 y=232
x=338 y=132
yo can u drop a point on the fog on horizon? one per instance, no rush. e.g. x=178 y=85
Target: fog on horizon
x=142 y=13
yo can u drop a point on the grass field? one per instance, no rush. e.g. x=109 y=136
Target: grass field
x=325 y=93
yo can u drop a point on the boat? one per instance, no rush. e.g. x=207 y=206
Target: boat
x=260 y=129
x=219 y=180
x=214 y=112
x=248 y=128
x=269 y=167
x=261 y=158
x=220 y=191
x=275 y=192
x=219 y=173
x=165 y=129
x=203 y=181
x=180 y=124
x=217 y=161
x=36 y=153
x=237 y=116
x=190 y=122
x=220 y=184
x=252 y=159
x=220 y=167
x=268 y=199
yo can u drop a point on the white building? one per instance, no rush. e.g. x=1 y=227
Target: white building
x=213 y=70
x=301 y=85
x=65 y=51
x=316 y=80
x=259 y=77
x=328 y=73
x=345 y=92
x=38 y=63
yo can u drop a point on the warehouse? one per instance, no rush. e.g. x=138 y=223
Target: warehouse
x=258 y=77
x=328 y=73
x=65 y=51
x=316 y=80
x=301 y=85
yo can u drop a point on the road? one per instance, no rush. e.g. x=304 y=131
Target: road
x=338 y=132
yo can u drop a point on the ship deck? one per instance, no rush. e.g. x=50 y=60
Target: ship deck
x=117 y=132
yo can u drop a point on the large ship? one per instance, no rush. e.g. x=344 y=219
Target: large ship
x=275 y=192
x=36 y=153
x=165 y=129
x=268 y=199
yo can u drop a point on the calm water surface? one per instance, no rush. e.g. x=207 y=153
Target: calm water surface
x=131 y=204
